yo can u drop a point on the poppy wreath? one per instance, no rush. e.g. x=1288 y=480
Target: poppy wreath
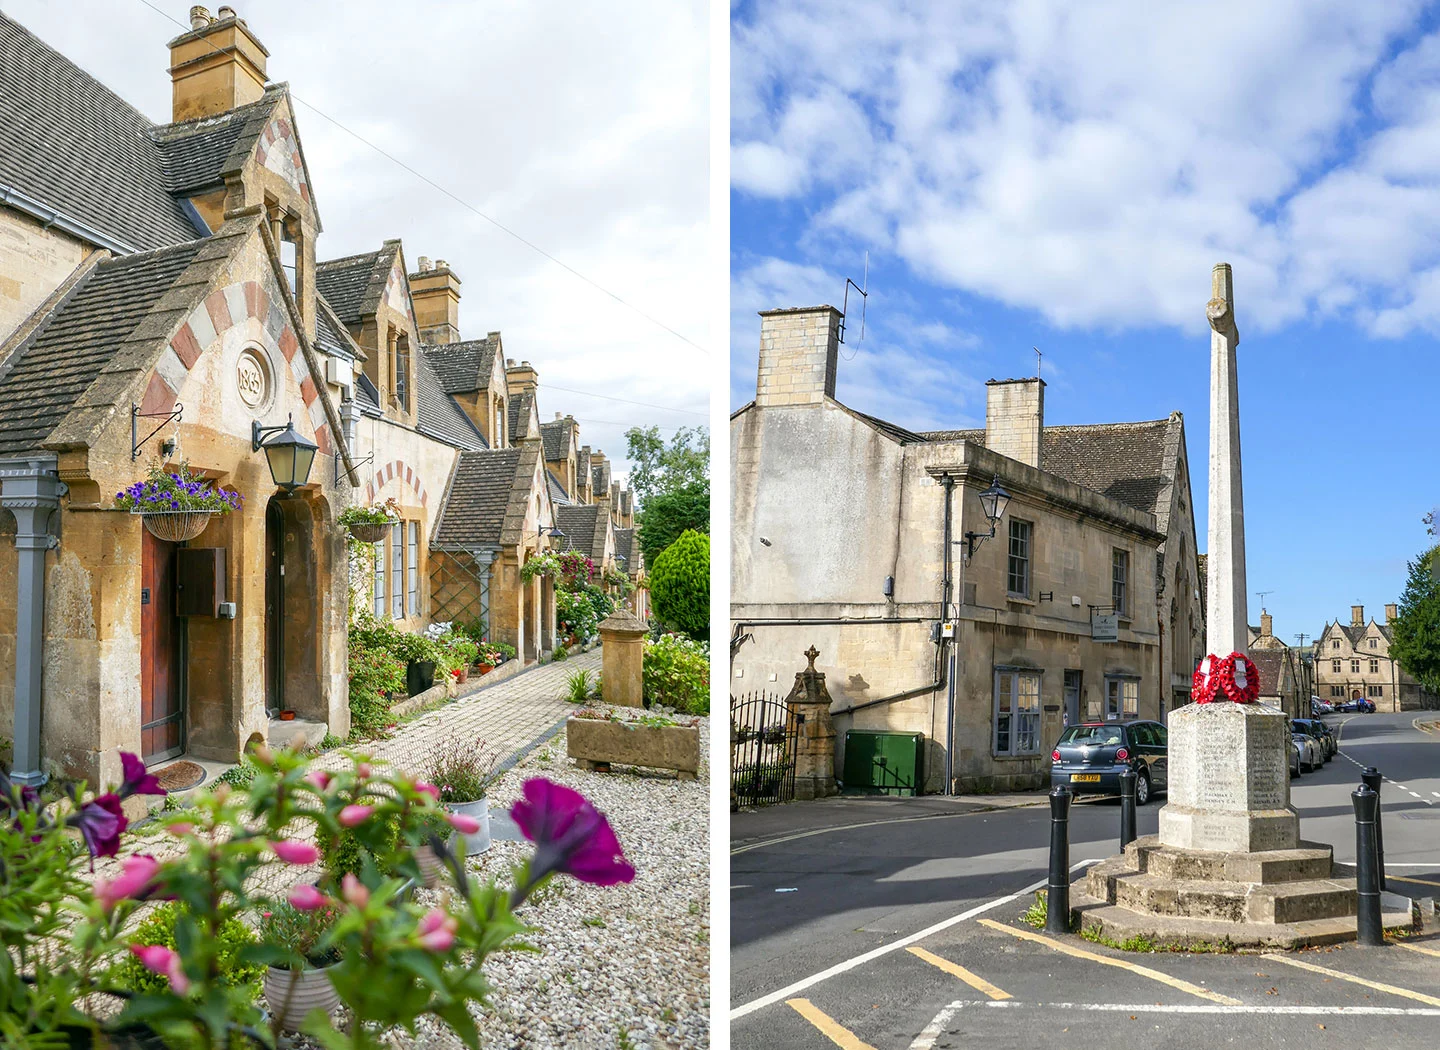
x=1217 y=679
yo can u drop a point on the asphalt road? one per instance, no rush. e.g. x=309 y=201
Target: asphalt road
x=816 y=885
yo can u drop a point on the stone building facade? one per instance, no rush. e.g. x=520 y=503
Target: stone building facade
x=1353 y=661
x=843 y=537
x=160 y=293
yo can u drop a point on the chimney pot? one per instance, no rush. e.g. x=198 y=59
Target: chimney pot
x=199 y=17
x=424 y=264
x=509 y=362
x=558 y=416
x=225 y=11
x=441 y=264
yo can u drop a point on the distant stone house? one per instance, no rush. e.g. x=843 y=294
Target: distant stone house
x=1353 y=661
x=844 y=533
x=1280 y=683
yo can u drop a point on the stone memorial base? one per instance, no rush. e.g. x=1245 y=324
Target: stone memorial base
x=1286 y=898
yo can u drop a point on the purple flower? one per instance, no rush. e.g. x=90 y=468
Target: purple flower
x=101 y=822
x=570 y=835
x=137 y=781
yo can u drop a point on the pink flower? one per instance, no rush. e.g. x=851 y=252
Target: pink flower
x=135 y=877
x=362 y=770
x=466 y=825
x=296 y=852
x=570 y=835
x=428 y=789
x=307 y=898
x=437 y=930
x=319 y=778
x=159 y=959
x=354 y=891
x=352 y=815
x=182 y=828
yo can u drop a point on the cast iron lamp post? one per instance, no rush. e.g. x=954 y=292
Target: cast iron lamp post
x=288 y=453
x=993 y=502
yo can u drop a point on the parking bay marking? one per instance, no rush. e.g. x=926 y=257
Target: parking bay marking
x=947 y=1014
x=1341 y=975
x=1406 y=878
x=828 y=1026
x=974 y=980
x=1414 y=947
x=1123 y=964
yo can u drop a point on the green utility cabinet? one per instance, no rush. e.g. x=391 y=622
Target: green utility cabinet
x=883 y=763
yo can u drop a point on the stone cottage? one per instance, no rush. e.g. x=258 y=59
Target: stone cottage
x=853 y=534
x=160 y=297
x=1352 y=661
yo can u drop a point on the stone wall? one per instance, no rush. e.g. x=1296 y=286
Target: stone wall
x=34 y=261
x=798 y=351
x=1014 y=418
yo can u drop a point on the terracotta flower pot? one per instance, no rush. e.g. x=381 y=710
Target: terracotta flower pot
x=484 y=668
x=287 y=716
x=480 y=809
x=291 y=994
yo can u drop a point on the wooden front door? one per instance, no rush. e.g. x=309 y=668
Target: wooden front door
x=274 y=604
x=161 y=715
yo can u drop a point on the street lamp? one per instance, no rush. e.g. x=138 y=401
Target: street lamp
x=288 y=453
x=993 y=502
x=555 y=538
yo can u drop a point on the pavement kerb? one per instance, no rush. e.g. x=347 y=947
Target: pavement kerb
x=1431 y=727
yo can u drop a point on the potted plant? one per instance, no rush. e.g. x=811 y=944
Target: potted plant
x=176 y=506
x=370 y=524
x=300 y=982
x=463 y=653
x=463 y=772
x=420 y=655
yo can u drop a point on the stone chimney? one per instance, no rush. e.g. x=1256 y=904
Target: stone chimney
x=216 y=66
x=1267 y=625
x=520 y=378
x=435 y=291
x=1015 y=418
x=1392 y=613
x=798 y=351
x=1357 y=616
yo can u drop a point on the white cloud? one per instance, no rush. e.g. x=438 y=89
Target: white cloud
x=582 y=127
x=1093 y=161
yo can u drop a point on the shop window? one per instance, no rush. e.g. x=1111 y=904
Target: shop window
x=1017 y=713
x=1122 y=698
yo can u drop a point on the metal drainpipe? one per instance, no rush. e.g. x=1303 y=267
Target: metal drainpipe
x=31 y=491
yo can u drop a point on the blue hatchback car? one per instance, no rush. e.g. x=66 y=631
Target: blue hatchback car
x=1089 y=758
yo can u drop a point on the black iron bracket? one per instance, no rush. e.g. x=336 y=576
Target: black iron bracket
x=1047 y=596
x=258 y=434
x=165 y=418
x=973 y=540
x=357 y=464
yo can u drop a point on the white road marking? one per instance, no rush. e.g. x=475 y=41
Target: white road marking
x=1206 y=1008
x=885 y=949
x=936 y=1028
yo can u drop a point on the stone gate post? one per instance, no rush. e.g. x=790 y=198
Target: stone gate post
x=809 y=703
x=622 y=658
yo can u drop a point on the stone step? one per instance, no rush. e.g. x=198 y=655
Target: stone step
x=283 y=732
x=1234 y=902
x=1119 y=924
x=1269 y=867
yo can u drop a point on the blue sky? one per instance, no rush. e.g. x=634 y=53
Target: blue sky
x=1064 y=176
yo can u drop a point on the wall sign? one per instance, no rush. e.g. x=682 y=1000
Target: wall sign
x=1104 y=627
x=252 y=377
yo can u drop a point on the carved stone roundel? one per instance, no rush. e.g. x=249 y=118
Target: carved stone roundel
x=252 y=377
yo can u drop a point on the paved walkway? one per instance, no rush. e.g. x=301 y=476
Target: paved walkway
x=509 y=716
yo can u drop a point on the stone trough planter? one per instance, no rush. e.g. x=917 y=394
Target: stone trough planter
x=592 y=742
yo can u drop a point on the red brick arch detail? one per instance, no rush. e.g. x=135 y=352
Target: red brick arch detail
x=389 y=472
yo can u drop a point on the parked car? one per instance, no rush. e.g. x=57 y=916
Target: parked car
x=1358 y=705
x=1297 y=756
x=1089 y=758
x=1320 y=707
x=1312 y=756
x=1321 y=732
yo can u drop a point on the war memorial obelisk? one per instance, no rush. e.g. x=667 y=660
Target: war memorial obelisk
x=1228 y=864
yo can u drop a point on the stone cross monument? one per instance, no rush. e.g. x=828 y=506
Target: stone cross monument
x=1225 y=618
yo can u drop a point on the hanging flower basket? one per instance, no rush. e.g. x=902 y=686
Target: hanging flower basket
x=176 y=506
x=369 y=531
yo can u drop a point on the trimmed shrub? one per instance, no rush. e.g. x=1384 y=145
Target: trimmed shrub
x=680 y=585
x=159 y=928
x=676 y=671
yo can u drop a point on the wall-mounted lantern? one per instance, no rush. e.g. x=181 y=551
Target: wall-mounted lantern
x=993 y=502
x=289 y=454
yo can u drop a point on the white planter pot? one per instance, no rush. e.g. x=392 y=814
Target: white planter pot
x=291 y=994
x=480 y=841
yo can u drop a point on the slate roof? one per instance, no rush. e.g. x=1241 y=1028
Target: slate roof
x=478 y=498
x=367 y=397
x=1270 y=663
x=197 y=154
x=623 y=544
x=354 y=284
x=557 y=488
x=437 y=414
x=465 y=366
x=71 y=144
x=556 y=435
x=518 y=409
x=48 y=374
x=584 y=529
x=330 y=336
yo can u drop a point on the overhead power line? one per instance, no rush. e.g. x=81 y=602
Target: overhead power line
x=627 y=401
x=465 y=204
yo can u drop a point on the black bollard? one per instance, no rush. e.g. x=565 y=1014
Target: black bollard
x=1367 y=881
x=1370 y=777
x=1127 y=808
x=1057 y=892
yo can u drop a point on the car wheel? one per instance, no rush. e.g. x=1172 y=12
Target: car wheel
x=1295 y=768
x=1142 y=789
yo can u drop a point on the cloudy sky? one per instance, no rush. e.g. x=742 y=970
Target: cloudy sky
x=1060 y=175
x=582 y=128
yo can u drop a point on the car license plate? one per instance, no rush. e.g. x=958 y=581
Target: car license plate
x=1084 y=778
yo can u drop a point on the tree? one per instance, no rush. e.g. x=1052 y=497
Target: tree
x=669 y=514
x=680 y=585
x=1415 y=640
x=658 y=467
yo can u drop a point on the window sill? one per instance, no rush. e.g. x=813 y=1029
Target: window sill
x=1019 y=599
x=1015 y=758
